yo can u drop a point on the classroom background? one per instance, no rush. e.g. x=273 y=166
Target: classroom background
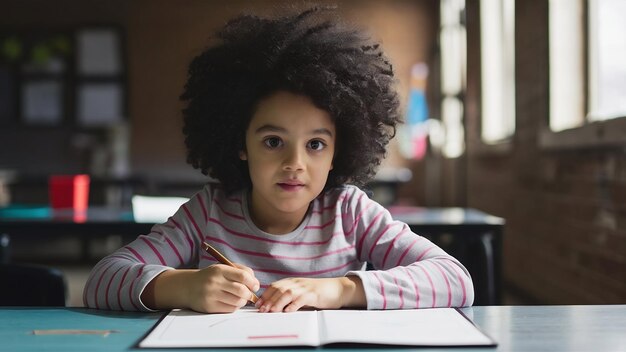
x=516 y=109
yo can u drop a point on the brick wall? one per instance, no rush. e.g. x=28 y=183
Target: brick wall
x=565 y=238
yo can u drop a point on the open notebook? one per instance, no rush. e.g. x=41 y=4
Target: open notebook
x=248 y=328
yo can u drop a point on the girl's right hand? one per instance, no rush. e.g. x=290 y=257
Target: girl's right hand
x=220 y=288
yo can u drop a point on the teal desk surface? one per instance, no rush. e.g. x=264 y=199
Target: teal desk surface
x=515 y=328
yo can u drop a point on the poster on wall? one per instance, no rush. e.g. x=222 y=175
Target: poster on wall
x=98 y=52
x=99 y=104
x=100 y=80
x=42 y=102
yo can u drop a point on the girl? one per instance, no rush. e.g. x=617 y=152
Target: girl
x=284 y=113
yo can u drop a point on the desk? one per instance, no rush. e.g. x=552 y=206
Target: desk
x=473 y=237
x=98 y=222
x=515 y=328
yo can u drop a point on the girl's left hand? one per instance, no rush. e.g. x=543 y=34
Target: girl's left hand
x=291 y=294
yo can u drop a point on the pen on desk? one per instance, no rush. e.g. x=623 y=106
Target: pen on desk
x=222 y=259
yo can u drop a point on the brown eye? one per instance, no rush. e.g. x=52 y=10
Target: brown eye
x=317 y=145
x=273 y=142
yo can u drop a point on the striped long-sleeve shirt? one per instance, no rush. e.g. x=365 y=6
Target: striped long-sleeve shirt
x=342 y=230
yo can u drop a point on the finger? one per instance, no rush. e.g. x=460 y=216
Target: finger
x=279 y=300
x=238 y=290
x=265 y=299
x=259 y=302
x=242 y=276
x=297 y=303
x=255 y=285
x=232 y=300
x=220 y=275
x=269 y=292
x=219 y=302
x=272 y=293
x=243 y=267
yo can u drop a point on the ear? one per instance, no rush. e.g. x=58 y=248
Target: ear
x=243 y=155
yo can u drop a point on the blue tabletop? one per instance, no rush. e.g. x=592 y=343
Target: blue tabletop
x=515 y=328
x=17 y=326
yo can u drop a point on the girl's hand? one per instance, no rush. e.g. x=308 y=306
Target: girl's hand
x=289 y=295
x=221 y=289
x=216 y=289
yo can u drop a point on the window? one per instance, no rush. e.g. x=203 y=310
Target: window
x=497 y=37
x=587 y=74
x=607 y=55
x=453 y=73
x=567 y=97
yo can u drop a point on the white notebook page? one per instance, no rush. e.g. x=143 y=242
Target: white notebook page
x=249 y=328
x=244 y=328
x=426 y=327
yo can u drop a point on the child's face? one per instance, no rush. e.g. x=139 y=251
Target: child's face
x=290 y=145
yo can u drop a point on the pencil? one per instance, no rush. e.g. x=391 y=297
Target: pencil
x=222 y=259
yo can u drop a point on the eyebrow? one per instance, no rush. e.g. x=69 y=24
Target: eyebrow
x=272 y=128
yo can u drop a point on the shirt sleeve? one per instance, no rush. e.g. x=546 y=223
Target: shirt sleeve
x=410 y=271
x=117 y=281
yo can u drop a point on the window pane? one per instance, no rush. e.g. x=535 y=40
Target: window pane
x=42 y=102
x=452 y=37
x=453 y=63
x=607 y=81
x=452 y=118
x=100 y=104
x=497 y=69
x=451 y=57
x=98 y=52
x=567 y=95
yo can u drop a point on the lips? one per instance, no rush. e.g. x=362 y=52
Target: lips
x=291 y=185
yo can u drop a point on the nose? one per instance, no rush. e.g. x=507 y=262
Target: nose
x=294 y=159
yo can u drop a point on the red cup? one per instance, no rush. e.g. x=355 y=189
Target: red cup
x=69 y=192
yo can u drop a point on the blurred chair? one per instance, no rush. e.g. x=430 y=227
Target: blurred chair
x=29 y=285
x=384 y=187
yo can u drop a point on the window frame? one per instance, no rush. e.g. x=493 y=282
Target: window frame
x=592 y=134
x=476 y=145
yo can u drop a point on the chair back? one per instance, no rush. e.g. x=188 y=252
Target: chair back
x=31 y=285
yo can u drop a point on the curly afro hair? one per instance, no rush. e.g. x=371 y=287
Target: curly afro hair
x=339 y=68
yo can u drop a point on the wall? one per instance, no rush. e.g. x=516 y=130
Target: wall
x=36 y=150
x=163 y=37
x=565 y=237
